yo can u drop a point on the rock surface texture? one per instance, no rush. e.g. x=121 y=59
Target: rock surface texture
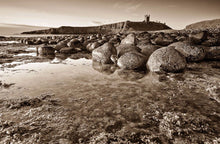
x=166 y=59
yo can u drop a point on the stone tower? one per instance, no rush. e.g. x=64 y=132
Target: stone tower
x=147 y=18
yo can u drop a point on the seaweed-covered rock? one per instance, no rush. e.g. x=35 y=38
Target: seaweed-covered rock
x=166 y=59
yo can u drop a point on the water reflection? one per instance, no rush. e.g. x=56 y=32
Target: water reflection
x=104 y=68
x=130 y=74
x=108 y=69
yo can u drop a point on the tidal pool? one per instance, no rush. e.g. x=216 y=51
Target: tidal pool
x=88 y=101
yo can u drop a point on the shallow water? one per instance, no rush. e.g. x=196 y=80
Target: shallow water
x=94 y=97
x=8 y=42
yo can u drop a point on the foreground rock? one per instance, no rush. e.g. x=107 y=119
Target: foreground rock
x=132 y=60
x=190 y=52
x=125 y=48
x=166 y=59
x=45 y=50
x=212 y=53
x=103 y=54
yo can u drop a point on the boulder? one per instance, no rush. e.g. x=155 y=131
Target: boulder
x=91 y=46
x=147 y=50
x=103 y=53
x=163 y=41
x=212 y=53
x=197 y=38
x=61 y=45
x=45 y=50
x=124 y=48
x=190 y=52
x=129 y=39
x=67 y=50
x=132 y=60
x=166 y=59
x=74 y=43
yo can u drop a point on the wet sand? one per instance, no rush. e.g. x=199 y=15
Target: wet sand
x=76 y=101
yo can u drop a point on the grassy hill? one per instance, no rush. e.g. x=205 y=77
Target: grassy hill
x=205 y=24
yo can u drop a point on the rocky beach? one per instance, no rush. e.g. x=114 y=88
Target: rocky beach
x=134 y=87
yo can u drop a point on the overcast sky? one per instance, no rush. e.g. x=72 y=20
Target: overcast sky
x=53 y=13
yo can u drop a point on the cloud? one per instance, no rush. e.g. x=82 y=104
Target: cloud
x=128 y=5
x=97 y=23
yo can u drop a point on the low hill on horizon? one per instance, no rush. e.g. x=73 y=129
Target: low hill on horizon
x=126 y=26
x=207 y=24
x=10 y=29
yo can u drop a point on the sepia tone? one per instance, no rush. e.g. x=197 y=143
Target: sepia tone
x=109 y=71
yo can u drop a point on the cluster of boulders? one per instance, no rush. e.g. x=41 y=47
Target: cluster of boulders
x=160 y=52
x=154 y=51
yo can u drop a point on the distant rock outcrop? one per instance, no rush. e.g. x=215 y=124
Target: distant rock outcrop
x=208 y=24
x=127 y=26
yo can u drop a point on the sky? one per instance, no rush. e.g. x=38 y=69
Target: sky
x=54 y=13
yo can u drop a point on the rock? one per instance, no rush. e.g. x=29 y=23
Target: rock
x=190 y=52
x=29 y=42
x=147 y=50
x=124 y=48
x=163 y=41
x=74 y=43
x=60 y=45
x=92 y=37
x=45 y=50
x=67 y=50
x=198 y=37
x=91 y=46
x=166 y=59
x=130 y=39
x=212 y=53
x=115 y=40
x=132 y=60
x=103 y=53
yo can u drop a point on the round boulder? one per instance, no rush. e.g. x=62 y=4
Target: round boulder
x=91 y=46
x=67 y=50
x=147 y=50
x=124 y=48
x=132 y=60
x=103 y=53
x=166 y=59
x=61 y=45
x=45 y=50
x=191 y=53
x=74 y=43
x=129 y=39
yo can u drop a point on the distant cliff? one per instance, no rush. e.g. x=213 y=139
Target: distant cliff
x=208 y=24
x=109 y=28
